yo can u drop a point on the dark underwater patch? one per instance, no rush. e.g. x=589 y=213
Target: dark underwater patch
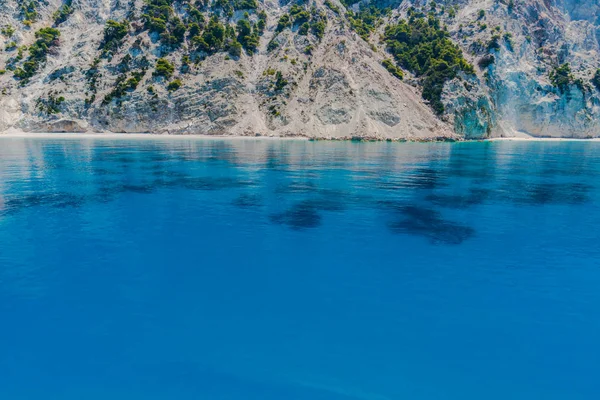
x=306 y=213
x=299 y=216
x=67 y=200
x=572 y=193
x=324 y=203
x=539 y=194
x=54 y=200
x=473 y=198
x=124 y=160
x=141 y=189
x=209 y=183
x=248 y=201
x=111 y=190
x=105 y=172
x=163 y=173
x=106 y=194
x=152 y=167
x=429 y=223
x=156 y=157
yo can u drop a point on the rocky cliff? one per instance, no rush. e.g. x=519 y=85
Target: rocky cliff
x=382 y=69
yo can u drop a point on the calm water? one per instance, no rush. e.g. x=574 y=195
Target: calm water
x=271 y=270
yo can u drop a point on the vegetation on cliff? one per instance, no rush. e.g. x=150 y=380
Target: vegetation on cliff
x=63 y=13
x=562 y=77
x=46 y=38
x=420 y=45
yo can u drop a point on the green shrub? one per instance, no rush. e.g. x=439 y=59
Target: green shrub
x=262 y=22
x=235 y=48
x=50 y=105
x=92 y=75
x=185 y=61
x=393 y=69
x=508 y=38
x=273 y=44
x=318 y=28
x=124 y=85
x=299 y=14
x=163 y=68
x=494 y=43
x=212 y=39
x=284 y=22
x=269 y=72
x=561 y=77
x=178 y=30
x=174 y=85
x=194 y=29
x=114 y=32
x=280 y=82
x=303 y=30
x=230 y=5
x=8 y=31
x=349 y=3
x=332 y=7
x=246 y=37
x=245 y=4
x=28 y=11
x=63 y=13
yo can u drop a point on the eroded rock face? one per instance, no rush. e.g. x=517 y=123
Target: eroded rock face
x=469 y=108
x=335 y=87
x=331 y=88
x=521 y=97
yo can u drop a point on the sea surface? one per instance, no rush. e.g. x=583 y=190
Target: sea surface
x=295 y=270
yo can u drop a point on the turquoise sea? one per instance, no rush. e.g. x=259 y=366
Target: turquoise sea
x=270 y=270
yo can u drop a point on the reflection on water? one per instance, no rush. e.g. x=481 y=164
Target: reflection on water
x=260 y=269
x=439 y=176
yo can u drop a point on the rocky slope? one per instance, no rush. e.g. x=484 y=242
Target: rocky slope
x=243 y=68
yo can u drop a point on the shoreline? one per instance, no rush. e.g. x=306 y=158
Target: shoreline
x=539 y=139
x=155 y=136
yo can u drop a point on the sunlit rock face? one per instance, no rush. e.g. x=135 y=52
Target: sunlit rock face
x=543 y=36
x=335 y=87
x=587 y=10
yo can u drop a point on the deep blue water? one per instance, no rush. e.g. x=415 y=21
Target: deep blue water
x=270 y=270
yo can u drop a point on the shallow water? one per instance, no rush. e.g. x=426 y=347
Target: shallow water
x=254 y=269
